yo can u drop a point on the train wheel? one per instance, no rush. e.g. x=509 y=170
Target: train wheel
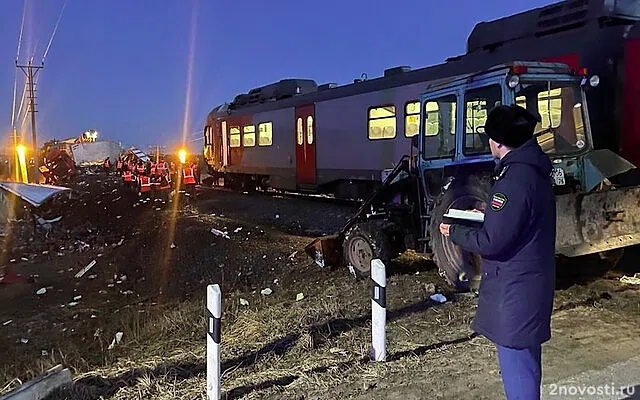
x=461 y=269
x=363 y=243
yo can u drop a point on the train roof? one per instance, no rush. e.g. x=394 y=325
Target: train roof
x=548 y=20
x=485 y=37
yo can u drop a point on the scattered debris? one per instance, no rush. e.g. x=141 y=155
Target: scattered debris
x=299 y=296
x=116 y=340
x=85 y=269
x=243 y=302
x=173 y=245
x=438 y=298
x=41 y=291
x=631 y=280
x=5 y=323
x=220 y=233
x=266 y=291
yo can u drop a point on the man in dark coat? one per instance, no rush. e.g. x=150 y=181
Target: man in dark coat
x=517 y=245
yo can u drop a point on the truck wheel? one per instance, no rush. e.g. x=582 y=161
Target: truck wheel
x=461 y=269
x=363 y=243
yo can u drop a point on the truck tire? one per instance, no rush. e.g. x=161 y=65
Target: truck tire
x=364 y=242
x=460 y=268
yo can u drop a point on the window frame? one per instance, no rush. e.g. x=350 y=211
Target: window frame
x=455 y=96
x=468 y=152
x=266 y=123
x=245 y=133
x=395 y=121
x=310 y=136
x=239 y=134
x=407 y=115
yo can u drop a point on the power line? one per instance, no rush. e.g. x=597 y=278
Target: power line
x=55 y=29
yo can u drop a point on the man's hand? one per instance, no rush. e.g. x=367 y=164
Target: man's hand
x=444 y=229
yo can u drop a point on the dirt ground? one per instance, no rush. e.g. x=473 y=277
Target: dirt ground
x=154 y=261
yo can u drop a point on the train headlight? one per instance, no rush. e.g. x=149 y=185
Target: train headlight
x=594 y=81
x=513 y=81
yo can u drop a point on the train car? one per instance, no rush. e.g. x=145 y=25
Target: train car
x=600 y=35
x=297 y=135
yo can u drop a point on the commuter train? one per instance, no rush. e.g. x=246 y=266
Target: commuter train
x=296 y=135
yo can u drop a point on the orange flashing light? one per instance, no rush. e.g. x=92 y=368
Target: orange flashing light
x=582 y=71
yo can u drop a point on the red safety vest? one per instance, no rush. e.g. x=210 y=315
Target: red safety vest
x=119 y=164
x=189 y=179
x=127 y=176
x=145 y=184
x=107 y=164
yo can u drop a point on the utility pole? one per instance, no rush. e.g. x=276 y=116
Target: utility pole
x=16 y=159
x=31 y=71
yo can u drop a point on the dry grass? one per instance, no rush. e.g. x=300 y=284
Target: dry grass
x=272 y=348
x=319 y=348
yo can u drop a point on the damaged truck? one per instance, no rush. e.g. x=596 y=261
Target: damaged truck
x=450 y=167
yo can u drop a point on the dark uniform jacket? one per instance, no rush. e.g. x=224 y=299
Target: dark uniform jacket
x=517 y=245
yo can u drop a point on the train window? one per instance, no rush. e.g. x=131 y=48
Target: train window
x=478 y=103
x=208 y=136
x=411 y=118
x=265 y=134
x=300 y=131
x=382 y=122
x=234 y=136
x=309 y=129
x=440 y=117
x=249 y=136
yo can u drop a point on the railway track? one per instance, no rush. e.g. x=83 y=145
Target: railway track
x=285 y=194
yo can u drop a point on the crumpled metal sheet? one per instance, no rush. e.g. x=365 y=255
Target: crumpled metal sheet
x=32 y=193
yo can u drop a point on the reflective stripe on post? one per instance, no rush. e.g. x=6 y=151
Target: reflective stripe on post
x=214 y=311
x=378 y=310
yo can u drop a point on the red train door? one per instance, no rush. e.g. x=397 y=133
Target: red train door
x=305 y=137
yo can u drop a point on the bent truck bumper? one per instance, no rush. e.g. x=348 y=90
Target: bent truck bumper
x=597 y=221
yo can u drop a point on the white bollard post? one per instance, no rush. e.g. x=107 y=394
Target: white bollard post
x=378 y=310
x=214 y=311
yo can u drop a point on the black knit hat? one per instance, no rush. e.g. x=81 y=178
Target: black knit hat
x=511 y=126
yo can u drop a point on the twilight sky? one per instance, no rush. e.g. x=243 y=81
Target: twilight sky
x=122 y=66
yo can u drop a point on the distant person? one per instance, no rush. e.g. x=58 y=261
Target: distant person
x=517 y=245
x=107 y=165
x=119 y=166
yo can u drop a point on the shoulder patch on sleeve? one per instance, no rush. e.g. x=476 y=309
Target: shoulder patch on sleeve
x=498 y=200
